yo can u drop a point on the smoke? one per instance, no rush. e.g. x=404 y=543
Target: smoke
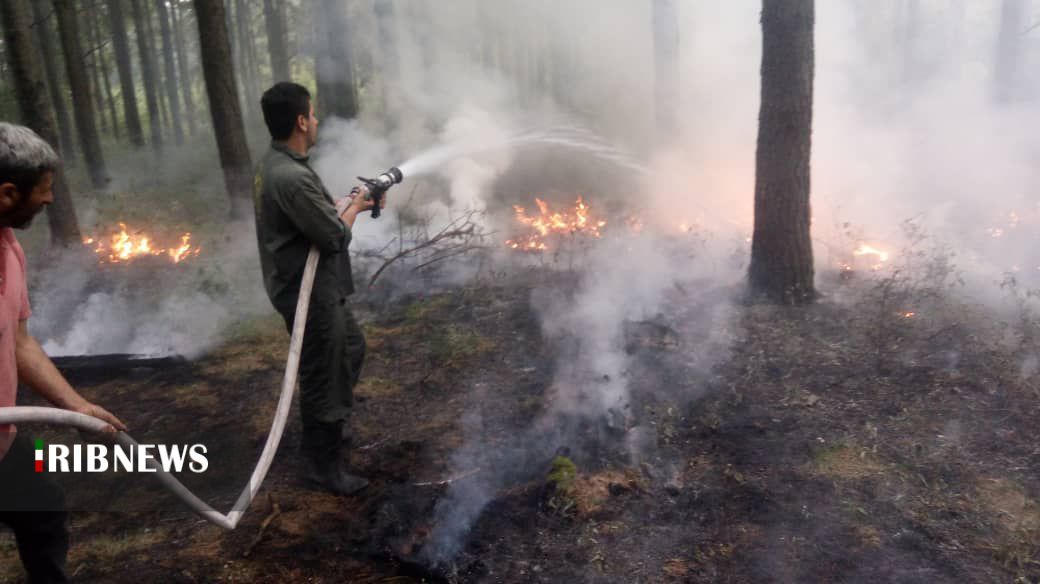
x=148 y=306
x=907 y=126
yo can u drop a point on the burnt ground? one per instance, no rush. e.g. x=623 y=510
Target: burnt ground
x=843 y=442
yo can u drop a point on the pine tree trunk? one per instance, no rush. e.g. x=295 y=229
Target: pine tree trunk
x=121 y=46
x=171 y=71
x=781 y=250
x=334 y=63
x=47 y=46
x=1009 y=50
x=666 y=66
x=148 y=74
x=215 y=50
x=82 y=108
x=33 y=102
x=153 y=55
x=95 y=74
x=242 y=21
x=110 y=102
x=277 y=40
x=182 y=66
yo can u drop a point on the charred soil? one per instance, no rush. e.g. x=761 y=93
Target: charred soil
x=810 y=450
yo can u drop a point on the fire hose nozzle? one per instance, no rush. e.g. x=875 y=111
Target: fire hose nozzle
x=378 y=186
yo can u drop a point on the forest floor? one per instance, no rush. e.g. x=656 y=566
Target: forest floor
x=849 y=441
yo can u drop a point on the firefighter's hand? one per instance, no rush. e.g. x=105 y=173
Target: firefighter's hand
x=96 y=411
x=361 y=200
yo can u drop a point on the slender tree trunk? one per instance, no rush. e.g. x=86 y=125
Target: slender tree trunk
x=1009 y=50
x=83 y=110
x=51 y=67
x=781 y=249
x=182 y=66
x=153 y=55
x=334 y=63
x=95 y=73
x=171 y=71
x=217 y=67
x=121 y=46
x=666 y=66
x=278 y=40
x=148 y=74
x=31 y=93
x=110 y=102
x=246 y=55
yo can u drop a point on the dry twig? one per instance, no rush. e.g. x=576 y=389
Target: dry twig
x=276 y=510
x=449 y=481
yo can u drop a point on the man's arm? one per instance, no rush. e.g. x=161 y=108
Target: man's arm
x=308 y=209
x=36 y=370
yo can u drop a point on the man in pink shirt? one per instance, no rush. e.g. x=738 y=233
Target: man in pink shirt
x=32 y=505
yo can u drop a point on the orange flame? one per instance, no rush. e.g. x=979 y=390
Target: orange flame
x=124 y=247
x=577 y=221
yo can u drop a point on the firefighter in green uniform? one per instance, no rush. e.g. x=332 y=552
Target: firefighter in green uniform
x=294 y=211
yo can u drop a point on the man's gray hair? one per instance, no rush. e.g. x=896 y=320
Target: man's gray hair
x=24 y=156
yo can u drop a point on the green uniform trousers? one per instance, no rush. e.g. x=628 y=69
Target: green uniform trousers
x=330 y=364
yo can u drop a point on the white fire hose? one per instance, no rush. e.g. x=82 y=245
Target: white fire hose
x=31 y=415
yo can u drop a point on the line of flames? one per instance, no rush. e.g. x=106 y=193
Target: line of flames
x=124 y=247
x=576 y=221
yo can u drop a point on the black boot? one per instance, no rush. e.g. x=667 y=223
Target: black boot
x=324 y=449
x=327 y=472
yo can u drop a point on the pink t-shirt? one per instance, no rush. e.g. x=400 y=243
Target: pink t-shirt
x=14 y=308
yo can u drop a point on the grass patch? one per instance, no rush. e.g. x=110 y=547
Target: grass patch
x=848 y=463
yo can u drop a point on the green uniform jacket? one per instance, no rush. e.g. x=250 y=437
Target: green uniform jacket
x=293 y=212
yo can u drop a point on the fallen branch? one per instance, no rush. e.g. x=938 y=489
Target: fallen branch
x=453 y=240
x=276 y=510
x=445 y=482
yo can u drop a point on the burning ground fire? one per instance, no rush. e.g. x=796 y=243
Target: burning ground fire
x=125 y=246
x=548 y=224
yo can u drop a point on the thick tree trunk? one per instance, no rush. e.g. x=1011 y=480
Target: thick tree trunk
x=215 y=49
x=781 y=250
x=148 y=72
x=31 y=93
x=51 y=67
x=666 y=66
x=334 y=63
x=110 y=102
x=171 y=71
x=121 y=46
x=278 y=39
x=182 y=66
x=83 y=110
x=1009 y=50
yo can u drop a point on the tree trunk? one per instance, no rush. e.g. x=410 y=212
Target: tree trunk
x=153 y=54
x=82 y=109
x=215 y=50
x=110 y=102
x=277 y=39
x=666 y=66
x=171 y=71
x=244 y=41
x=45 y=36
x=781 y=250
x=1009 y=50
x=95 y=73
x=31 y=93
x=148 y=74
x=334 y=63
x=182 y=66
x=121 y=46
